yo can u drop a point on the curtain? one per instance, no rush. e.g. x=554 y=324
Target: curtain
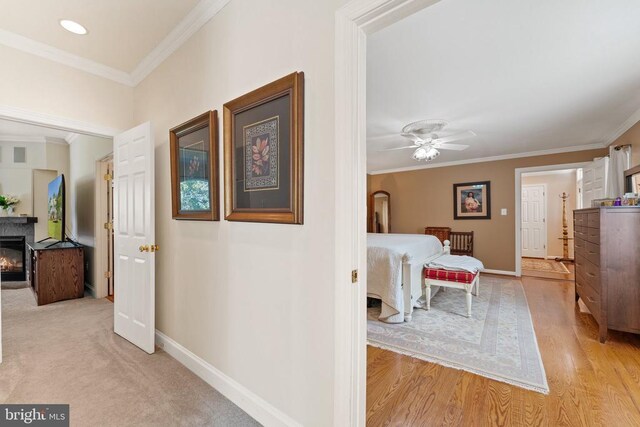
x=618 y=163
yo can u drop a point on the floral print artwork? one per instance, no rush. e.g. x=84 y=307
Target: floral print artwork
x=261 y=150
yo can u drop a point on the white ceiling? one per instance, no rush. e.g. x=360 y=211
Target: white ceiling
x=525 y=76
x=121 y=32
x=10 y=129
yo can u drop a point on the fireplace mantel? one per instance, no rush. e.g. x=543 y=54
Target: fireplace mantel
x=18 y=219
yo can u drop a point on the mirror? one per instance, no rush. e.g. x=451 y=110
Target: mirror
x=380 y=206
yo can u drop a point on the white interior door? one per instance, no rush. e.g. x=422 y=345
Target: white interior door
x=594 y=181
x=534 y=226
x=134 y=237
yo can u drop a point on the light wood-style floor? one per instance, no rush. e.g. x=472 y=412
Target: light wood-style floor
x=591 y=384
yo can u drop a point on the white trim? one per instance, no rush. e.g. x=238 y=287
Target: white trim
x=63 y=57
x=500 y=272
x=518 y=194
x=625 y=126
x=544 y=219
x=190 y=24
x=42 y=119
x=492 y=158
x=353 y=21
x=71 y=137
x=23 y=139
x=246 y=400
x=196 y=19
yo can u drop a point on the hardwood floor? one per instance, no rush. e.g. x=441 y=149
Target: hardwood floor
x=591 y=384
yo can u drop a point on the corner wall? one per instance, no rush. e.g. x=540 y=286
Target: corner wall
x=424 y=197
x=632 y=136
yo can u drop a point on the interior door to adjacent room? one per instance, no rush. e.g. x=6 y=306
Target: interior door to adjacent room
x=134 y=236
x=534 y=227
x=594 y=181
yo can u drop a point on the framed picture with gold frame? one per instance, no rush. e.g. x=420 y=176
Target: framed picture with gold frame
x=472 y=200
x=194 y=169
x=263 y=153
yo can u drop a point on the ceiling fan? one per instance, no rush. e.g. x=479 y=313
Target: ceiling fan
x=426 y=139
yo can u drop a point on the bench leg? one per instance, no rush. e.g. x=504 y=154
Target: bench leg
x=477 y=287
x=469 y=303
x=428 y=294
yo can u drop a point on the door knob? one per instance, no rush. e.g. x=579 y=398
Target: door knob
x=154 y=248
x=144 y=248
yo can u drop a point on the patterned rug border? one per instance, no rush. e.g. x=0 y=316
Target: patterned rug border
x=486 y=374
x=545 y=261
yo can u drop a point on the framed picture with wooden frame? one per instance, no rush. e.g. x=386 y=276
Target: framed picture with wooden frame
x=194 y=169
x=263 y=153
x=472 y=200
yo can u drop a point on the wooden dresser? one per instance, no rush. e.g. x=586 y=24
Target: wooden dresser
x=607 y=246
x=57 y=272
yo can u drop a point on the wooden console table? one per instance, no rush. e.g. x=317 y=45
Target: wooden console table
x=57 y=272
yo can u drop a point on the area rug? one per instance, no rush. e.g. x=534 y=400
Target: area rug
x=544 y=265
x=497 y=342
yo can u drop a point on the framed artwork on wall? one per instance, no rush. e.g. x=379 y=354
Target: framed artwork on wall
x=194 y=168
x=263 y=153
x=472 y=200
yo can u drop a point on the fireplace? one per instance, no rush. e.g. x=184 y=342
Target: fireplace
x=13 y=259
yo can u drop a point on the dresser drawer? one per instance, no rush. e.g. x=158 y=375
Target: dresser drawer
x=580 y=243
x=593 y=220
x=593 y=253
x=580 y=263
x=591 y=275
x=593 y=235
x=589 y=298
x=581 y=231
x=580 y=219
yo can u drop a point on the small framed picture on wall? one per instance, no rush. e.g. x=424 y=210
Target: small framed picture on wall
x=472 y=200
x=194 y=168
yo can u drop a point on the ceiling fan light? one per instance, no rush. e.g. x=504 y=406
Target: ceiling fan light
x=420 y=154
x=432 y=153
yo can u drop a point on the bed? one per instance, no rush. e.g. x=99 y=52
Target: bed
x=394 y=271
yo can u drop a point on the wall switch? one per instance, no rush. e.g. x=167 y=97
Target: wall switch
x=503 y=211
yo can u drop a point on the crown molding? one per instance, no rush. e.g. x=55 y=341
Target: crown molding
x=54 y=54
x=71 y=137
x=62 y=123
x=56 y=141
x=192 y=22
x=625 y=126
x=21 y=139
x=196 y=19
x=492 y=158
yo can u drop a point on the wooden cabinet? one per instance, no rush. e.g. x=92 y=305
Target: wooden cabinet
x=607 y=244
x=57 y=272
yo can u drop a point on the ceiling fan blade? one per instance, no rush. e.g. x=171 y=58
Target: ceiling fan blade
x=455 y=137
x=412 y=137
x=400 y=148
x=455 y=147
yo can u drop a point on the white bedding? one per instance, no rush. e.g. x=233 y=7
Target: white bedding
x=386 y=254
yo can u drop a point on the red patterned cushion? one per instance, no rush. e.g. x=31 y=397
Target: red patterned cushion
x=449 y=276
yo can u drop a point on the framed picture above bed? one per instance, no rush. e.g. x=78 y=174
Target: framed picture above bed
x=472 y=200
x=263 y=153
x=194 y=168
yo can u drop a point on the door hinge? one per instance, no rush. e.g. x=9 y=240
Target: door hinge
x=108 y=177
x=354 y=276
x=108 y=225
x=107 y=275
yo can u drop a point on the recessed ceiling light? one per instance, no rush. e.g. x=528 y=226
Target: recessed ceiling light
x=73 y=27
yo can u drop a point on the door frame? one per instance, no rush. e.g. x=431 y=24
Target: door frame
x=544 y=197
x=100 y=257
x=518 y=191
x=22 y=115
x=353 y=22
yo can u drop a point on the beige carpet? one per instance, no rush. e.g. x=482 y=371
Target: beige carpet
x=497 y=342
x=544 y=265
x=67 y=353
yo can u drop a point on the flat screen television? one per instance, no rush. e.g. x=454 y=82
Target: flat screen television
x=55 y=217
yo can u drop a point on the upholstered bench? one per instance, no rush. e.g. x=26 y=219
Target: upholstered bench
x=451 y=279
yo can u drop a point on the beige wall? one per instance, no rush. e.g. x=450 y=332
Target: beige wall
x=632 y=136
x=254 y=300
x=38 y=85
x=556 y=183
x=425 y=197
x=83 y=153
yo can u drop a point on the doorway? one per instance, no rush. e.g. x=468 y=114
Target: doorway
x=104 y=274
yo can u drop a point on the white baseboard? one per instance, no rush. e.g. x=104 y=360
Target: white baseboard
x=501 y=272
x=252 y=404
